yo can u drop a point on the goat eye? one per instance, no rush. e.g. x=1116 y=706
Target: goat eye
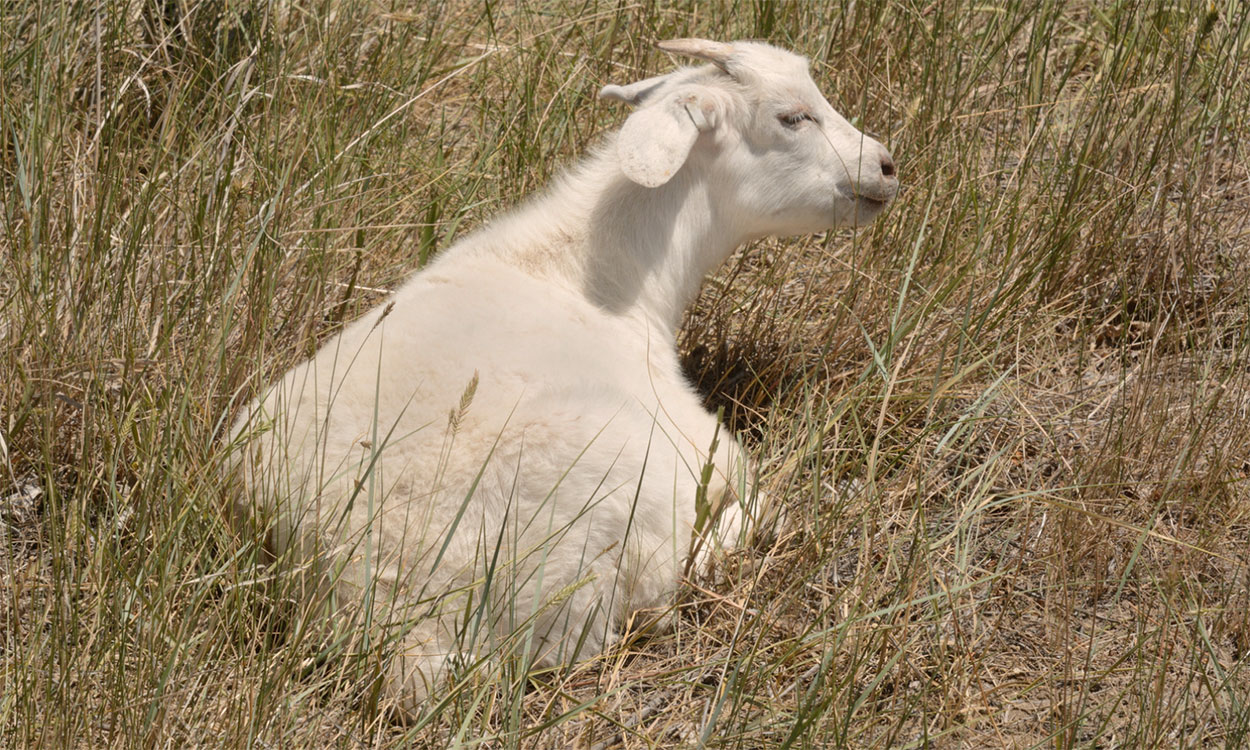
x=792 y=119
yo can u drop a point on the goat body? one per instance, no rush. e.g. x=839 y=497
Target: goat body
x=507 y=449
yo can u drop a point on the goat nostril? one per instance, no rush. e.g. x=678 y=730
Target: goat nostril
x=887 y=166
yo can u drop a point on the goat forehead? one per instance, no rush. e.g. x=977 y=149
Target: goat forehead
x=764 y=58
x=790 y=94
x=779 y=74
x=804 y=92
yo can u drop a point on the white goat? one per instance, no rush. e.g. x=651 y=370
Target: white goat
x=508 y=448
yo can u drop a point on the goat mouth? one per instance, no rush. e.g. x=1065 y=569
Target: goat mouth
x=875 y=202
x=871 y=206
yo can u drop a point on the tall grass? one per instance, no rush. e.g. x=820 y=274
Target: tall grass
x=1009 y=422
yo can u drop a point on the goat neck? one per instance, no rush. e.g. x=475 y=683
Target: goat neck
x=630 y=250
x=647 y=250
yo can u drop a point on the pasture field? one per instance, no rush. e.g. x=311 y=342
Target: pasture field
x=1010 y=421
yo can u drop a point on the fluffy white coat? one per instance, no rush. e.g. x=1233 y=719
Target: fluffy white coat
x=507 y=449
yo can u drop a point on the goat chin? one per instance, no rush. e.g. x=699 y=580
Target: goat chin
x=509 y=442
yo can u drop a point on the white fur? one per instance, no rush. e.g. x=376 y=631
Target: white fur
x=467 y=461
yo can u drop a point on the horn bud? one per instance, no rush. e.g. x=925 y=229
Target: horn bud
x=717 y=53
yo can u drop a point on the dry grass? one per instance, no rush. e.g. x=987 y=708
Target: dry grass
x=1010 y=422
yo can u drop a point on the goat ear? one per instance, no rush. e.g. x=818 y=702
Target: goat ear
x=632 y=94
x=655 y=140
